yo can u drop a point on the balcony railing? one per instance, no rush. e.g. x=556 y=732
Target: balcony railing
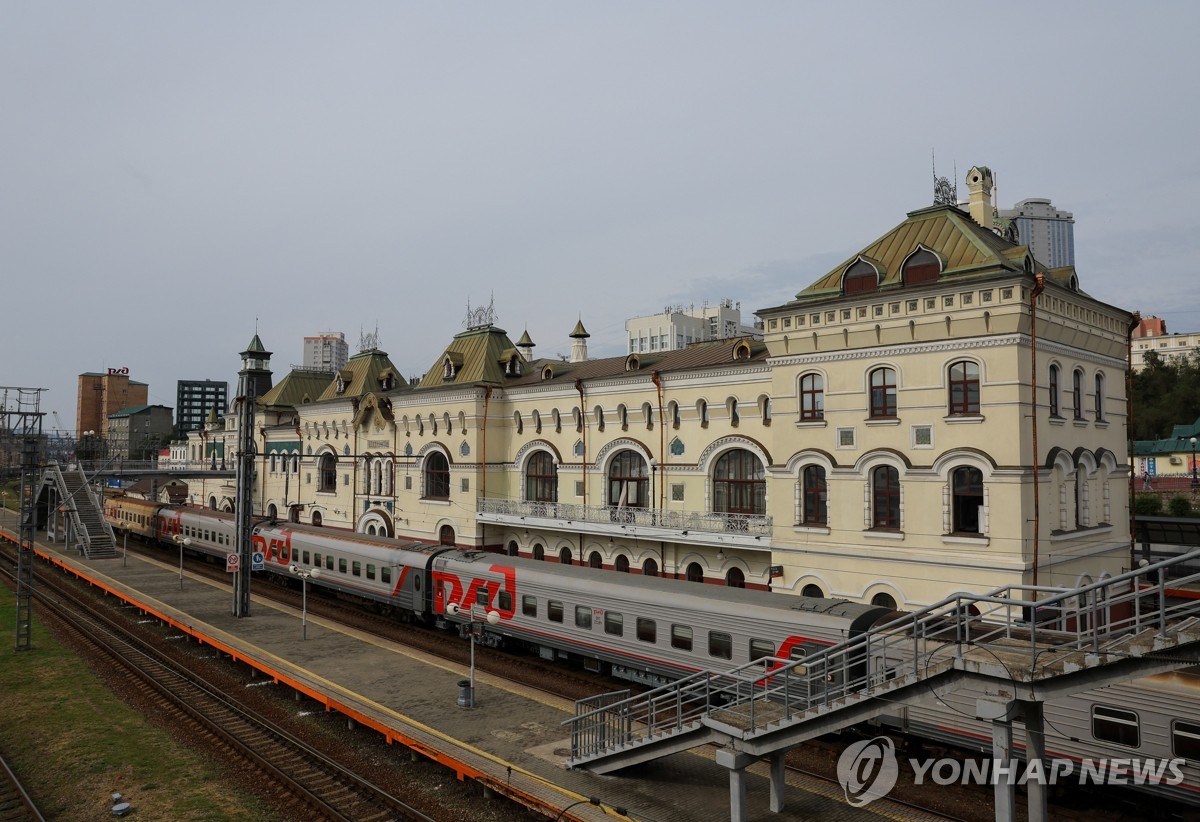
x=710 y=522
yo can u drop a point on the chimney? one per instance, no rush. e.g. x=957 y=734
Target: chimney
x=979 y=187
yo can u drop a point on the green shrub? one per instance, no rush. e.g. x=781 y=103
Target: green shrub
x=1148 y=505
x=1179 y=506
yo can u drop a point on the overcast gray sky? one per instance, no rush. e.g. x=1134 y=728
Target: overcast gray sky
x=173 y=171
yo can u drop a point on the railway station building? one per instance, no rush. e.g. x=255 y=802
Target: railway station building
x=940 y=412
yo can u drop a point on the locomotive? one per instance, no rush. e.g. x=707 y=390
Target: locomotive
x=653 y=630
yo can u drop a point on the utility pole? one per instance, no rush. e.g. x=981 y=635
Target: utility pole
x=21 y=420
x=254 y=380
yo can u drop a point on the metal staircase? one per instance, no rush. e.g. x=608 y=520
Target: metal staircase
x=1037 y=643
x=82 y=509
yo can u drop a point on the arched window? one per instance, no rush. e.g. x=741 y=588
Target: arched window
x=734 y=417
x=1077 y=393
x=517 y=422
x=541 y=478
x=327 y=473
x=964 y=388
x=695 y=573
x=650 y=568
x=966 y=486
x=512 y=547
x=816 y=496
x=813 y=591
x=437 y=476
x=739 y=485
x=735 y=578
x=595 y=560
x=627 y=480
x=446 y=535
x=1098 y=398
x=272 y=512
x=564 y=556
x=884 y=601
x=539 y=553
x=702 y=413
x=316 y=518
x=673 y=411
x=885 y=498
x=812 y=397
x=621 y=564
x=860 y=278
x=922 y=266
x=883 y=392
x=1052 y=388
x=599 y=414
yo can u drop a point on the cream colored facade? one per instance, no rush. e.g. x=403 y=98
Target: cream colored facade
x=693 y=463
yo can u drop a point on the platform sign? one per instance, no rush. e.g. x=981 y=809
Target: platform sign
x=232 y=563
x=258 y=561
x=1152 y=467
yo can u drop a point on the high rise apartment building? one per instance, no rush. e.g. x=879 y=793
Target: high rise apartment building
x=100 y=395
x=327 y=351
x=194 y=399
x=1049 y=232
x=676 y=328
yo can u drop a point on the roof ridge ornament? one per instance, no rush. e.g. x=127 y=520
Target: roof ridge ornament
x=481 y=317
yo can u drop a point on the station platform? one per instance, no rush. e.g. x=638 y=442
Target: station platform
x=512 y=742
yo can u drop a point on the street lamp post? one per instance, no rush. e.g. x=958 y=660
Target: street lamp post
x=182 y=542
x=474 y=624
x=1195 y=480
x=304 y=574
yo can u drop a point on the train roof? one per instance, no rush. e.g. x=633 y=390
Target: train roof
x=615 y=583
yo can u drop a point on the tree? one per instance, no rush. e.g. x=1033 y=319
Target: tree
x=1165 y=393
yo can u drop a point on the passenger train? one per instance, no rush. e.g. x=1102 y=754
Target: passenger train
x=653 y=630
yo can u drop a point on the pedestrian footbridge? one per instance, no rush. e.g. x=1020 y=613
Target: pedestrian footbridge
x=1017 y=647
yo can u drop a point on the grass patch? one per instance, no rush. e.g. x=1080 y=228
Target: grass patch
x=73 y=742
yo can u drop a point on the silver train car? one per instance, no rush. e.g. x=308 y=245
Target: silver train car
x=653 y=630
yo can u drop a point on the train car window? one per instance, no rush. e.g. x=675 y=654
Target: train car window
x=614 y=623
x=329 y=563
x=1116 y=725
x=797 y=652
x=583 y=617
x=316 y=560
x=342 y=565
x=504 y=600
x=385 y=575
x=356 y=568
x=760 y=648
x=720 y=645
x=554 y=611
x=529 y=605
x=482 y=596
x=1185 y=739
x=370 y=571
x=681 y=637
x=305 y=557
x=647 y=630
x=207 y=537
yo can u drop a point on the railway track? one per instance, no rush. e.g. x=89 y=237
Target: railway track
x=15 y=803
x=305 y=781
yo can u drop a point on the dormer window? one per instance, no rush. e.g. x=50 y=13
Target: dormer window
x=448 y=369
x=922 y=266
x=860 y=278
x=547 y=373
x=512 y=368
x=340 y=385
x=741 y=351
